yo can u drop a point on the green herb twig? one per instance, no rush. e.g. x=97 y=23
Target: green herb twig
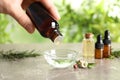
x=13 y=55
x=91 y=65
x=115 y=54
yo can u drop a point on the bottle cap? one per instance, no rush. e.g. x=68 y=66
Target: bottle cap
x=99 y=43
x=88 y=35
x=106 y=39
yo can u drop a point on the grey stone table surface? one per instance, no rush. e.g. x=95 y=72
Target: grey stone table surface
x=38 y=69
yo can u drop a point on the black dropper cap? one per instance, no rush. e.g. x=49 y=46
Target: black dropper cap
x=99 y=43
x=107 y=39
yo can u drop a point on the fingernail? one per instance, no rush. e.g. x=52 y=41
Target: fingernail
x=57 y=16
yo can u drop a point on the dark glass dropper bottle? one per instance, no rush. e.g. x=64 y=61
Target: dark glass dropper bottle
x=99 y=48
x=107 y=44
x=45 y=24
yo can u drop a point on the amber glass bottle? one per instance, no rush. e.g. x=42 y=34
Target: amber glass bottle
x=107 y=44
x=99 y=48
x=45 y=24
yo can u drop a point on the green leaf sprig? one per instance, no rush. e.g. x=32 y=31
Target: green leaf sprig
x=91 y=65
x=115 y=54
x=13 y=55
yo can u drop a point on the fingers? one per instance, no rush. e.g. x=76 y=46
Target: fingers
x=20 y=15
x=51 y=8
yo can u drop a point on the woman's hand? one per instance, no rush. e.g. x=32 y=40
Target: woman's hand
x=16 y=8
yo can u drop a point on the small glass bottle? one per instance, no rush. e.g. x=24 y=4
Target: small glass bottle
x=88 y=47
x=45 y=24
x=99 y=48
x=107 y=44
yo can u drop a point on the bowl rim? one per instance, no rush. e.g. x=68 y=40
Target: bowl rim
x=70 y=50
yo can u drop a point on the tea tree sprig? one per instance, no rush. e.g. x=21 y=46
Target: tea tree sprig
x=91 y=65
x=115 y=54
x=13 y=55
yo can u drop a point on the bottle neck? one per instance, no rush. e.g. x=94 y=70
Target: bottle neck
x=107 y=41
x=58 y=40
x=55 y=34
